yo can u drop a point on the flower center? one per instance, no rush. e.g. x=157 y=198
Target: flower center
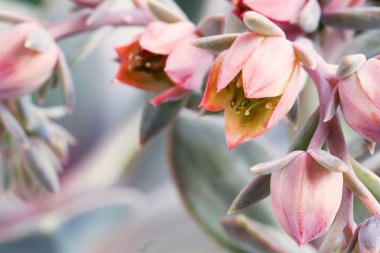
x=146 y=61
x=247 y=106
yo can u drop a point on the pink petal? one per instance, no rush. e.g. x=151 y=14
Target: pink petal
x=172 y=94
x=162 y=38
x=236 y=57
x=369 y=80
x=269 y=68
x=187 y=66
x=22 y=69
x=359 y=112
x=305 y=198
x=285 y=10
x=212 y=100
x=290 y=95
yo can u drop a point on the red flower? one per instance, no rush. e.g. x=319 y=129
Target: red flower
x=161 y=59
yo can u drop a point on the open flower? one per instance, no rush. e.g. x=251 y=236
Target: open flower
x=359 y=96
x=255 y=82
x=27 y=59
x=306 y=190
x=289 y=15
x=161 y=59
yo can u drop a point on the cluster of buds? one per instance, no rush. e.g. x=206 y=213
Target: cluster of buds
x=33 y=146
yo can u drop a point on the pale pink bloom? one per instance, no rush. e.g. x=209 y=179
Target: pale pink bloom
x=369 y=235
x=255 y=82
x=28 y=56
x=277 y=10
x=162 y=60
x=359 y=95
x=306 y=196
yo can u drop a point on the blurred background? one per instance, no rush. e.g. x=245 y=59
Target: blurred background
x=119 y=197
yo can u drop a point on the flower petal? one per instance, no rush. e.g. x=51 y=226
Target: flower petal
x=162 y=38
x=268 y=69
x=275 y=165
x=23 y=69
x=212 y=100
x=361 y=114
x=187 y=66
x=275 y=9
x=147 y=81
x=369 y=79
x=294 y=87
x=240 y=128
x=236 y=57
x=305 y=198
x=172 y=94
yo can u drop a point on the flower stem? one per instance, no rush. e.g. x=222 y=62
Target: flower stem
x=66 y=28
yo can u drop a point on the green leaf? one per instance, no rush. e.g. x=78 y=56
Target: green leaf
x=306 y=132
x=156 y=118
x=256 y=190
x=368 y=178
x=209 y=176
x=358 y=18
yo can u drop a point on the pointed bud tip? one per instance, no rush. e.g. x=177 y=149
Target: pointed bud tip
x=261 y=25
x=349 y=65
x=164 y=12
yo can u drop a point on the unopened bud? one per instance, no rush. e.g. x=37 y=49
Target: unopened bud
x=349 y=65
x=261 y=25
x=369 y=235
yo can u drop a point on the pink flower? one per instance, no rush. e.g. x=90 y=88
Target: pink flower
x=27 y=59
x=255 y=82
x=277 y=10
x=294 y=17
x=305 y=194
x=162 y=60
x=359 y=95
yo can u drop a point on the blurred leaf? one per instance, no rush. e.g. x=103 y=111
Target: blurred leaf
x=32 y=2
x=367 y=43
x=73 y=226
x=211 y=25
x=156 y=118
x=257 y=189
x=209 y=176
x=358 y=18
x=260 y=237
x=368 y=178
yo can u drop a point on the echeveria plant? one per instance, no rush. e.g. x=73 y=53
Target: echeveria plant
x=259 y=75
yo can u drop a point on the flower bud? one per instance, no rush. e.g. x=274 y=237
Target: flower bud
x=88 y=3
x=359 y=98
x=306 y=196
x=27 y=59
x=369 y=235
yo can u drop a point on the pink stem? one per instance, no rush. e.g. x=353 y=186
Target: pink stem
x=324 y=80
x=134 y=17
